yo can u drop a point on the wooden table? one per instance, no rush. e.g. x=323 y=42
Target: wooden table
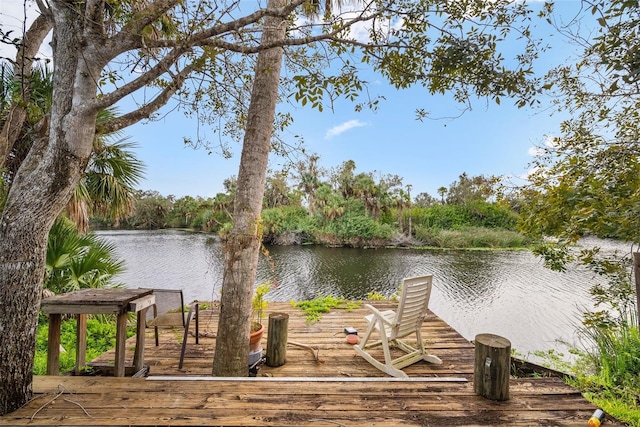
x=97 y=301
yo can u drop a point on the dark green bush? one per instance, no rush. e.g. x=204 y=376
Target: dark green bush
x=441 y=217
x=470 y=237
x=284 y=219
x=482 y=214
x=353 y=225
x=474 y=214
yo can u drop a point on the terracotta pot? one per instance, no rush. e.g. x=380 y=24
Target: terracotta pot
x=255 y=338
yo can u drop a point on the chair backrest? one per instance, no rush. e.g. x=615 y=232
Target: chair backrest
x=168 y=300
x=413 y=305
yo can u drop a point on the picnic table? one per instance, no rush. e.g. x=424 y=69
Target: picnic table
x=97 y=301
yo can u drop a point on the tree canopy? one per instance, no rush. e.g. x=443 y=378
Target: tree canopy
x=203 y=58
x=586 y=181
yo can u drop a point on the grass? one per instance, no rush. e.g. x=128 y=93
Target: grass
x=609 y=372
x=101 y=337
x=323 y=304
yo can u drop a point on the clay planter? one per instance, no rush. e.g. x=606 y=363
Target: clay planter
x=255 y=338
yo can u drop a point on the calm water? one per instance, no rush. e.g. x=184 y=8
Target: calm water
x=503 y=292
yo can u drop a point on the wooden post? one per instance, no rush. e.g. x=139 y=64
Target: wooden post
x=492 y=366
x=277 y=336
x=81 y=342
x=138 y=355
x=121 y=337
x=53 y=348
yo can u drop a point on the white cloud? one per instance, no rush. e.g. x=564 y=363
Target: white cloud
x=550 y=142
x=337 y=130
x=535 y=151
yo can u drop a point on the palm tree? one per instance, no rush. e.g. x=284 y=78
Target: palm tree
x=243 y=243
x=73 y=260
x=112 y=173
x=108 y=187
x=442 y=191
x=76 y=260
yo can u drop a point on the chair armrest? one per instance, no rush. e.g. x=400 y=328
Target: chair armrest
x=379 y=314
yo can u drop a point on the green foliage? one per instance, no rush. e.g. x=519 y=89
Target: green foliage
x=442 y=217
x=473 y=214
x=491 y=215
x=202 y=221
x=189 y=212
x=375 y=296
x=323 y=304
x=77 y=261
x=150 y=211
x=587 y=179
x=470 y=189
x=555 y=360
x=40 y=84
x=285 y=219
x=101 y=337
x=363 y=227
x=610 y=374
x=360 y=211
x=258 y=303
x=111 y=176
x=471 y=237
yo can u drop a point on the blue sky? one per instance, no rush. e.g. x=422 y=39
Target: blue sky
x=489 y=140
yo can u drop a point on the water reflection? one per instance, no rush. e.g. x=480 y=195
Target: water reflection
x=502 y=292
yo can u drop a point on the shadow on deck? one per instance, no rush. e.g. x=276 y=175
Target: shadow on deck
x=338 y=389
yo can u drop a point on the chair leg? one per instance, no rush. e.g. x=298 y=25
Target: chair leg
x=386 y=367
x=367 y=335
x=186 y=334
x=425 y=355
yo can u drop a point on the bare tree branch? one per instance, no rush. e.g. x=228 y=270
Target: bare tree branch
x=149 y=108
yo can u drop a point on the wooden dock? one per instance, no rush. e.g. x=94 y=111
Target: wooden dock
x=338 y=388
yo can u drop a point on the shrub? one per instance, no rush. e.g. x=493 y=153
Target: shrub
x=284 y=220
x=101 y=337
x=471 y=237
x=443 y=217
x=474 y=214
x=363 y=227
x=613 y=362
x=209 y=220
x=482 y=214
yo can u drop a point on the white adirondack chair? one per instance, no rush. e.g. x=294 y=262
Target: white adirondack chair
x=394 y=325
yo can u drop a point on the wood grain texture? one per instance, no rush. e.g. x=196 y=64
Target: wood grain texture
x=341 y=389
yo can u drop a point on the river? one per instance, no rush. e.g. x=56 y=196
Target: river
x=509 y=293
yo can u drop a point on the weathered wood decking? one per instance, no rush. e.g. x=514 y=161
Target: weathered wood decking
x=338 y=389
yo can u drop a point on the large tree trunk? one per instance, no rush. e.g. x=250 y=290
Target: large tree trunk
x=39 y=192
x=243 y=245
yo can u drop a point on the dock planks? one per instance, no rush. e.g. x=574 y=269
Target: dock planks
x=341 y=389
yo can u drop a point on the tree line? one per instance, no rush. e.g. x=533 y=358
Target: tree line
x=341 y=206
